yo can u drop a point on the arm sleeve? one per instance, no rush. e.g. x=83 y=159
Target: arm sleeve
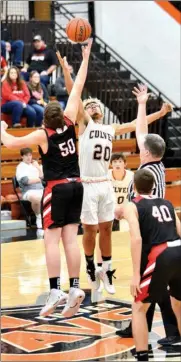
x=20 y=172
x=7 y=93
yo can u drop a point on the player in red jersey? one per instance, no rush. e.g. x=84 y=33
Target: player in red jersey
x=155 y=233
x=62 y=200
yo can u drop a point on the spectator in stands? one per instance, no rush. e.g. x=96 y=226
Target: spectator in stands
x=41 y=59
x=14 y=47
x=38 y=96
x=15 y=98
x=4 y=69
x=29 y=175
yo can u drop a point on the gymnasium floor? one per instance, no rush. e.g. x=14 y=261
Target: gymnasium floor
x=90 y=335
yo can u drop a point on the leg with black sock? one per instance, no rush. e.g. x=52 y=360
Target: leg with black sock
x=52 y=252
x=140 y=330
x=74 y=282
x=72 y=253
x=54 y=283
x=89 y=240
x=105 y=243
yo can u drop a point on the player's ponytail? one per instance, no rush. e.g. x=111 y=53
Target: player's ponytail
x=53 y=116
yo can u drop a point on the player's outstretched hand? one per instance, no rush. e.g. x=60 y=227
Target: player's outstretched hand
x=86 y=50
x=135 y=286
x=4 y=125
x=166 y=108
x=141 y=93
x=63 y=61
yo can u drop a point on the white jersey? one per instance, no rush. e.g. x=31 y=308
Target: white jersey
x=121 y=186
x=95 y=149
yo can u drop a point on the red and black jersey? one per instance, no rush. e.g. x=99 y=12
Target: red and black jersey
x=157 y=221
x=61 y=159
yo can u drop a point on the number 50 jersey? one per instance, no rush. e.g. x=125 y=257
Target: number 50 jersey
x=95 y=149
x=61 y=159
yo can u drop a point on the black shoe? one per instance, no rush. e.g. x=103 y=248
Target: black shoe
x=125 y=333
x=169 y=341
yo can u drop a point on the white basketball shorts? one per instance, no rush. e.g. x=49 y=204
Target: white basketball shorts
x=98 y=203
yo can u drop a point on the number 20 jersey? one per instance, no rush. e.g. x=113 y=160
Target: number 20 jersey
x=95 y=149
x=157 y=221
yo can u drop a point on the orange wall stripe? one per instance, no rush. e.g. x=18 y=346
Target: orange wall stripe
x=170 y=9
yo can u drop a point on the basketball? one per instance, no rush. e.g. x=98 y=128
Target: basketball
x=78 y=30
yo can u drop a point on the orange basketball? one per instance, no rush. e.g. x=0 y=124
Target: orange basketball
x=78 y=30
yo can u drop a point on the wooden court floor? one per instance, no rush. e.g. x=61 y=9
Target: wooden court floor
x=90 y=335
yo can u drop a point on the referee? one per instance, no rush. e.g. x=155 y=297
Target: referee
x=152 y=149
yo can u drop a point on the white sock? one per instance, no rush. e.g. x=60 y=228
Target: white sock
x=107 y=264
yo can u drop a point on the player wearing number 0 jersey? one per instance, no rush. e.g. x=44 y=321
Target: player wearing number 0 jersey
x=95 y=144
x=155 y=233
x=120 y=178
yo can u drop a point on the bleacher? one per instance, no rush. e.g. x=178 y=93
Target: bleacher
x=24 y=29
x=11 y=157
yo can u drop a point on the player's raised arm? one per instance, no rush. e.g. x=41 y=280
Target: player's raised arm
x=131 y=215
x=82 y=116
x=72 y=107
x=35 y=138
x=141 y=122
x=131 y=126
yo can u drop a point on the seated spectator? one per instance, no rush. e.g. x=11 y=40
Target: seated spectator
x=59 y=88
x=14 y=47
x=15 y=98
x=4 y=69
x=41 y=59
x=29 y=175
x=38 y=96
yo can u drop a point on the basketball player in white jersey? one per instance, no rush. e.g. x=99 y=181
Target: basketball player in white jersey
x=95 y=148
x=120 y=178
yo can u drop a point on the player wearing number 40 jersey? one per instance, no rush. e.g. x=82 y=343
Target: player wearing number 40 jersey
x=95 y=148
x=62 y=201
x=155 y=232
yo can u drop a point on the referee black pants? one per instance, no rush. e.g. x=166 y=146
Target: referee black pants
x=168 y=316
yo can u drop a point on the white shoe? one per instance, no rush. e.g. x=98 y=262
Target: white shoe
x=76 y=296
x=106 y=276
x=93 y=279
x=55 y=298
x=38 y=221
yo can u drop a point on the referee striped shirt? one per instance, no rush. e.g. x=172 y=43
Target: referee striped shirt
x=158 y=171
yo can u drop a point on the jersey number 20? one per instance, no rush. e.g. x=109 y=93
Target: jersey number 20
x=101 y=152
x=67 y=148
x=162 y=213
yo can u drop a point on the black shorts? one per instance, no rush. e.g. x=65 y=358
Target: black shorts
x=62 y=203
x=162 y=271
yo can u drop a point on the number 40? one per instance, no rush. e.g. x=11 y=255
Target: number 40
x=162 y=213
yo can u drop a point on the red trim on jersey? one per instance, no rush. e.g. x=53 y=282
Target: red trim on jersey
x=50 y=131
x=154 y=253
x=138 y=198
x=68 y=122
x=46 y=202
